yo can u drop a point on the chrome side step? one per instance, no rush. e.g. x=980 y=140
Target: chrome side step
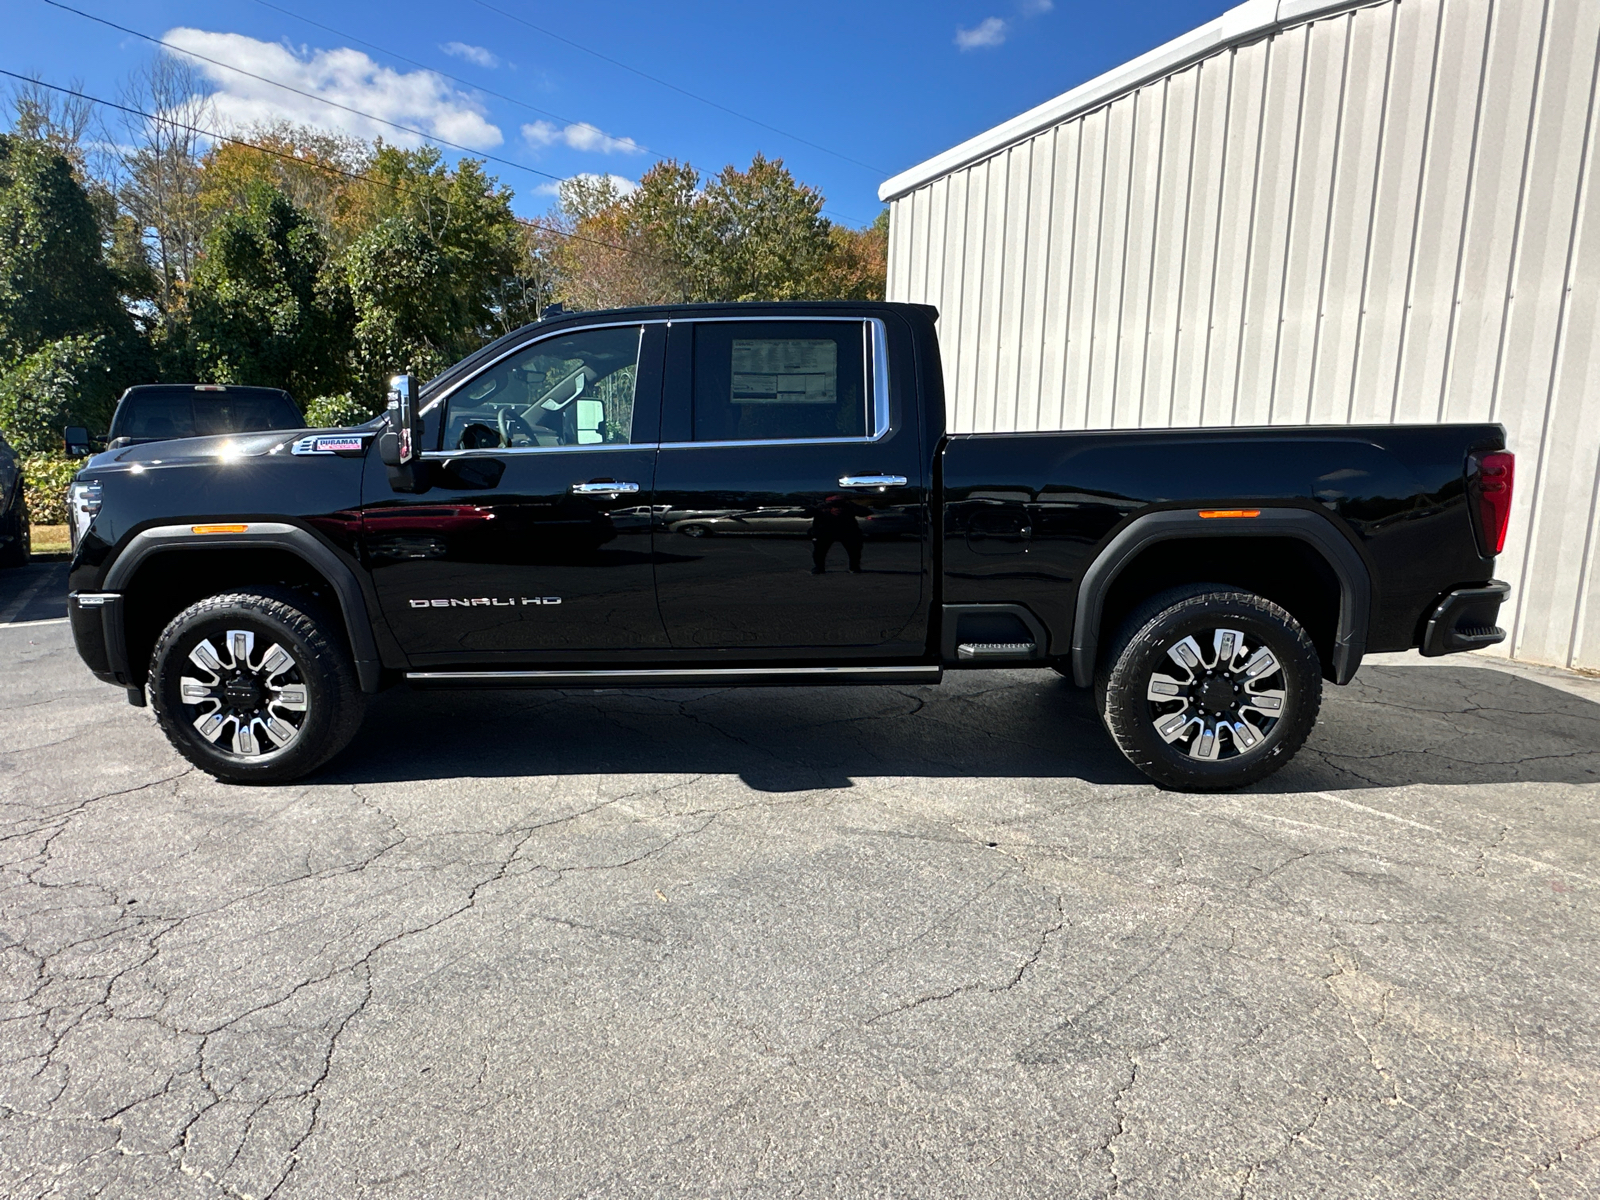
x=680 y=677
x=996 y=650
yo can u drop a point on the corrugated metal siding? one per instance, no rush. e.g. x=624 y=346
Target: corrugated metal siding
x=1388 y=214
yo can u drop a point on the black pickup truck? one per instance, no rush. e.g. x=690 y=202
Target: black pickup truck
x=767 y=494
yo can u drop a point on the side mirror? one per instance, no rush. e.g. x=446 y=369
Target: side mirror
x=401 y=444
x=77 y=442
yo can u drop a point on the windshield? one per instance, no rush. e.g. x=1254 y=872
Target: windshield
x=183 y=412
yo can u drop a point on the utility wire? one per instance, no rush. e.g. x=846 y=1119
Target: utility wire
x=301 y=162
x=411 y=129
x=511 y=16
x=395 y=54
x=543 y=112
x=308 y=95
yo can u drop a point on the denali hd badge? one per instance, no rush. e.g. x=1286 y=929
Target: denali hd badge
x=485 y=602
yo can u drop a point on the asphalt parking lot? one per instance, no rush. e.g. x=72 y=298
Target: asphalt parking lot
x=822 y=942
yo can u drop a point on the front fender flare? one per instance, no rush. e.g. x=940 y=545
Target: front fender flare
x=273 y=535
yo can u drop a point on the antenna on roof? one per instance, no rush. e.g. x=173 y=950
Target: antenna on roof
x=553 y=309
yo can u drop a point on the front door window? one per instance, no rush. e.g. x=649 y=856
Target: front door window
x=574 y=390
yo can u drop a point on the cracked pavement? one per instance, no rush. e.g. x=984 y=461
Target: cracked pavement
x=834 y=942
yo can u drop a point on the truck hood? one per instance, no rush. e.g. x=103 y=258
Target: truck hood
x=224 y=446
x=221 y=448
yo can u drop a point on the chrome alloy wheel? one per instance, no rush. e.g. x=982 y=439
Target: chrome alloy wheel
x=261 y=703
x=1222 y=698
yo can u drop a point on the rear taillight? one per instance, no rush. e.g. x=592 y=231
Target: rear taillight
x=1489 y=484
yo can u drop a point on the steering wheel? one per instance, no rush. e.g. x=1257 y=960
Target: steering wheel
x=512 y=426
x=478 y=436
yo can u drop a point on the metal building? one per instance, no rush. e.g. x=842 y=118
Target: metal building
x=1303 y=211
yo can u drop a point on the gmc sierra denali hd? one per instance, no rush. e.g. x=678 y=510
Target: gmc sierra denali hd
x=767 y=494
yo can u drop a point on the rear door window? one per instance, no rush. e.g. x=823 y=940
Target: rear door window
x=779 y=380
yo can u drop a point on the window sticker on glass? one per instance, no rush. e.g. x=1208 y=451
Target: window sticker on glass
x=785 y=371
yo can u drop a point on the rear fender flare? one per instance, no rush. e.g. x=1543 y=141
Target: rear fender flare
x=263 y=534
x=1355 y=583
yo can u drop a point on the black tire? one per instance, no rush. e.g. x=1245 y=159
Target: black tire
x=1140 y=655
x=320 y=665
x=16 y=549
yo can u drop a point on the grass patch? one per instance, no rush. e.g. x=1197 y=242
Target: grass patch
x=50 y=539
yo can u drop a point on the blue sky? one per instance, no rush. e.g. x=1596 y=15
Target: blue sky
x=859 y=91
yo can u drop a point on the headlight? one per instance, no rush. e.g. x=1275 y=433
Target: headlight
x=83 y=502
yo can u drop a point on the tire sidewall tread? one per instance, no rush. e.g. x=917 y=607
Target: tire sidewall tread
x=337 y=702
x=1121 y=682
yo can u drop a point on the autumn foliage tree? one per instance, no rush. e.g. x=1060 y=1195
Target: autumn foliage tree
x=297 y=258
x=754 y=234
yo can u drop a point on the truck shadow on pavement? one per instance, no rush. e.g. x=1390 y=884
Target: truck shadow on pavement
x=36 y=592
x=1394 y=726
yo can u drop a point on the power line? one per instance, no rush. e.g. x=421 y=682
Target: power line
x=674 y=87
x=308 y=95
x=395 y=54
x=301 y=162
x=427 y=137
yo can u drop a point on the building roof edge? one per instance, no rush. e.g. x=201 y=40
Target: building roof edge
x=1245 y=23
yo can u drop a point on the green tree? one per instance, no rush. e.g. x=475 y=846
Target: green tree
x=70 y=381
x=264 y=308
x=54 y=280
x=405 y=319
x=439 y=267
x=771 y=236
x=67 y=344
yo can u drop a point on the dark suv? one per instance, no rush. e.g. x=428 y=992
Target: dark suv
x=158 y=412
x=13 y=512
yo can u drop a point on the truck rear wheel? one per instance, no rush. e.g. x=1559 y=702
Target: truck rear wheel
x=255 y=686
x=1208 y=688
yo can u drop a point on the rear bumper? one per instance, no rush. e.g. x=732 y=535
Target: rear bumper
x=1465 y=620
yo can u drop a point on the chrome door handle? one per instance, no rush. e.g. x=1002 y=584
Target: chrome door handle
x=604 y=487
x=877 y=481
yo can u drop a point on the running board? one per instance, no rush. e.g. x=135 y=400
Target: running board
x=674 y=677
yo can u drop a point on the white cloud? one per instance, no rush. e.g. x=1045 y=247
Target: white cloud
x=991 y=31
x=580 y=136
x=622 y=183
x=1036 y=8
x=483 y=58
x=417 y=98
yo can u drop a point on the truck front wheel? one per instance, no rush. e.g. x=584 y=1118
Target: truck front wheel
x=1208 y=688
x=255 y=686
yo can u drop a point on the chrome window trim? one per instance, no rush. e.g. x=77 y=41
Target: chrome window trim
x=502 y=451
x=880 y=378
x=860 y=441
x=874 y=366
